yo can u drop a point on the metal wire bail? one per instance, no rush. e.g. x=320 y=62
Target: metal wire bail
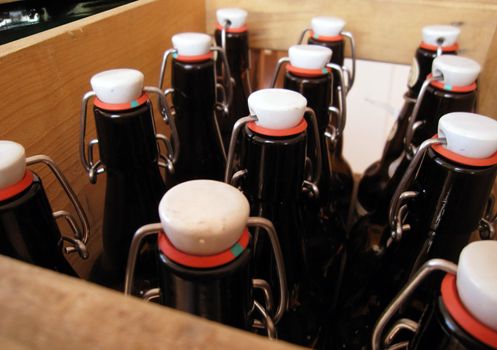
x=351 y=75
x=78 y=243
x=280 y=63
x=428 y=267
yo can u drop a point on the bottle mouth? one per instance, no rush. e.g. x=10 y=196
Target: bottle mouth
x=203 y=261
x=194 y=59
x=301 y=127
x=434 y=48
x=333 y=38
x=13 y=190
x=306 y=72
x=454 y=88
x=121 y=106
x=457 y=310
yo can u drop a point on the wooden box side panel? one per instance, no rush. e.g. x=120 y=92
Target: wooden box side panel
x=44 y=76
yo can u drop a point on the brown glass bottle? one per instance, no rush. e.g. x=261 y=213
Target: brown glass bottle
x=28 y=231
x=342 y=172
x=194 y=98
x=237 y=53
x=375 y=177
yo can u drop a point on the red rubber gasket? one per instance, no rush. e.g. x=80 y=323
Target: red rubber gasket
x=442 y=86
x=241 y=29
x=193 y=59
x=121 y=106
x=13 y=190
x=333 y=38
x=307 y=73
x=478 y=162
x=203 y=261
x=300 y=127
x=462 y=316
x=453 y=47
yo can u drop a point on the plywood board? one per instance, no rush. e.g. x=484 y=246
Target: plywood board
x=385 y=30
x=44 y=310
x=44 y=76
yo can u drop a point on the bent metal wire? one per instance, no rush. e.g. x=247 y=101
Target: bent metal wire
x=81 y=234
x=259 y=222
x=309 y=185
x=86 y=152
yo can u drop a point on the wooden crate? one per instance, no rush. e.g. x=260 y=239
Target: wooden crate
x=43 y=78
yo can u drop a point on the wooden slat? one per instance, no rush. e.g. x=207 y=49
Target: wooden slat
x=386 y=30
x=44 y=310
x=44 y=76
x=488 y=82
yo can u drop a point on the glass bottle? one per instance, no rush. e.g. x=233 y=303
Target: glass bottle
x=439 y=202
x=272 y=153
x=194 y=96
x=130 y=157
x=205 y=256
x=232 y=35
x=328 y=31
x=28 y=228
x=437 y=40
x=462 y=313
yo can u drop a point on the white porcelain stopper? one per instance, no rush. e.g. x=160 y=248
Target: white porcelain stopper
x=327 y=25
x=468 y=134
x=203 y=217
x=118 y=85
x=456 y=70
x=191 y=44
x=440 y=35
x=477 y=281
x=12 y=163
x=236 y=16
x=277 y=109
x=309 y=56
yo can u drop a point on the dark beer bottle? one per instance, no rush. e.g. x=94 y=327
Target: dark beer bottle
x=437 y=40
x=28 y=228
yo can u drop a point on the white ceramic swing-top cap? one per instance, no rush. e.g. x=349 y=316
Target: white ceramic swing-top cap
x=456 y=70
x=12 y=163
x=118 y=85
x=277 y=109
x=309 y=56
x=468 y=134
x=477 y=281
x=203 y=217
x=236 y=16
x=447 y=34
x=192 y=44
x=327 y=25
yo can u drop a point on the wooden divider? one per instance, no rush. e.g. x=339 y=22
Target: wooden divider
x=41 y=309
x=44 y=76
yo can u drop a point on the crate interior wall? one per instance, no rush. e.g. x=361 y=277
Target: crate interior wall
x=44 y=76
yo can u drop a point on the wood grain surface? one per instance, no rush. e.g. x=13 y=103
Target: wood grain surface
x=44 y=76
x=44 y=310
x=385 y=30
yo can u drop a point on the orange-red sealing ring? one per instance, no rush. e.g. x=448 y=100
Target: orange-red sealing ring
x=194 y=59
x=203 y=261
x=241 y=29
x=121 y=106
x=333 y=38
x=307 y=73
x=430 y=47
x=477 y=162
x=455 y=88
x=15 y=189
x=300 y=127
x=462 y=316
